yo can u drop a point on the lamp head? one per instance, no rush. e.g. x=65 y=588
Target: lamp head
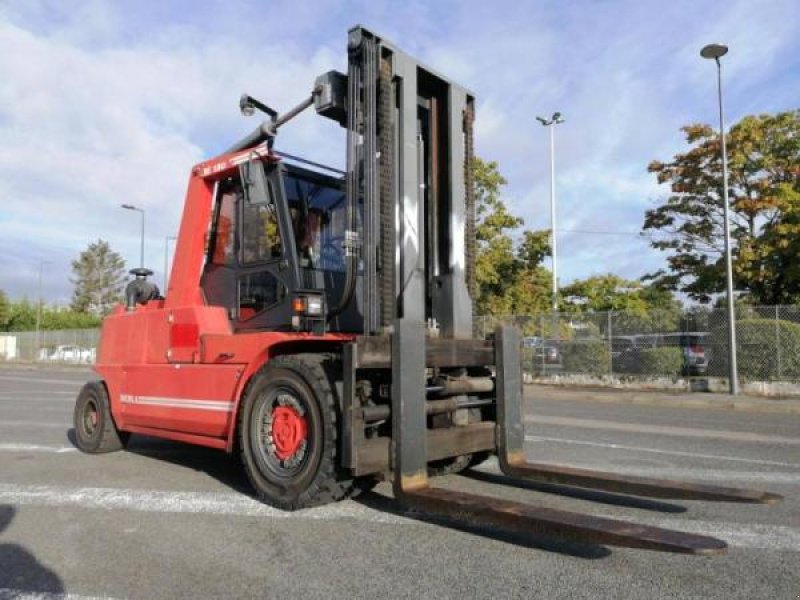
x=714 y=51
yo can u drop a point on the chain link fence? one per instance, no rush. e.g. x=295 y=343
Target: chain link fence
x=60 y=346
x=689 y=344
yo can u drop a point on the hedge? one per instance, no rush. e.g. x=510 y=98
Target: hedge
x=767 y=349
x=666 y=360
x=590 y=356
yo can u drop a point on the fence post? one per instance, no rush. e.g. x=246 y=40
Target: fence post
x=610 y=355
x=778 y=341
x=543 y=337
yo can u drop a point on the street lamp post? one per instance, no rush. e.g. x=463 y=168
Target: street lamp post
x=550 y=123
x=42 y=263
x=166 y=260
x=141 y=249
x=715 y=51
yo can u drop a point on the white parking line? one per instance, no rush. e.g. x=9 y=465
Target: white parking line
x=35 y=424
x=38 y=393
x=220 y=503
x=11 y=447
x=43 y=380
x=9 y=593
x=692 y=432
x=232 y=504
x=539 y=438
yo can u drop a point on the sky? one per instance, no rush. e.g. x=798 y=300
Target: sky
x=110 y=103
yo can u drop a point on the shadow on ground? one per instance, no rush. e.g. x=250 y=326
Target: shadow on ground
x=221 y=466
x=579 y=493
x=378 y=501
x=20 y=572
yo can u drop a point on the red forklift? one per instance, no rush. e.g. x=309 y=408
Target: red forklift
x=318 y=323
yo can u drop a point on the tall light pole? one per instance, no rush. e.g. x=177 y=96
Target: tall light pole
x=166 y=260
x=141 y=250
x=42 y=263
x=550 y=123
x=716 y=51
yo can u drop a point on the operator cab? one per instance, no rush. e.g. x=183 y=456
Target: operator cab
x=261 y=257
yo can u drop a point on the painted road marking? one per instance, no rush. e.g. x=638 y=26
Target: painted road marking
x=35 y=424
x=736 y=534
x=9 y=593
x=45 y=380
x=11 y=447
x=219 y=503
x=538 y=438
x=708 y=434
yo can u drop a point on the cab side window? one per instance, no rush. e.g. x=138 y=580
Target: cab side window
x=223 y=236
x=261 y=239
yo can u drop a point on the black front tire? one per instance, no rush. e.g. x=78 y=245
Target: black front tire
x=95 y=430
x=311 y=476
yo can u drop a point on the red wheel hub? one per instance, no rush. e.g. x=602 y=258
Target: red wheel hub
x=289 y=431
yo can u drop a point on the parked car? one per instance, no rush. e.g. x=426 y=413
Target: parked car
x=625 y=350
x=624 y=353
x=71 y=353
x=542 y=351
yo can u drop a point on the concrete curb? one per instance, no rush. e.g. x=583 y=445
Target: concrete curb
x=698 y=400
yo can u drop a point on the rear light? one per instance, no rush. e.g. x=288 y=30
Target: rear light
x=697 y=349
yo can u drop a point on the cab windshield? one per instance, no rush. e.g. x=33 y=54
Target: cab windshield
x=318 y=207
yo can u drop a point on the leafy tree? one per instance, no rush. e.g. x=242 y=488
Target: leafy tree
x=638 y=308
x=4 y=310
x=99 y=274
x=511 y=280
x=764 y=190
x=21 y=316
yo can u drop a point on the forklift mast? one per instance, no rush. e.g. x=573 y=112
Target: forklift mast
x=409 y=244
x=409 y=147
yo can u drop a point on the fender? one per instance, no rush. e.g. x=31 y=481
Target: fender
x=262 y=358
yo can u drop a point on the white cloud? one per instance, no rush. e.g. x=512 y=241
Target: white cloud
x=102 y=105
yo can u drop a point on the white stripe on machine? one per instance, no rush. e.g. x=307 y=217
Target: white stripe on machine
x=190 y=403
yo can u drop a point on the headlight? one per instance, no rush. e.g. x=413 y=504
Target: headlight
x=307 y=305
x=314 y=305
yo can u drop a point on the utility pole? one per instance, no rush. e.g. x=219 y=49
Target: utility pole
x=141 y=249
x=716 y=51
x=42 y=263
x=550 y=123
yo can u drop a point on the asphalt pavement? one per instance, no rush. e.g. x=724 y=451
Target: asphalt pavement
x=167 y=520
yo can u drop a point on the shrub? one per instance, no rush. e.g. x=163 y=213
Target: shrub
x=587 y=356
x=766 y=349
x=667 y=360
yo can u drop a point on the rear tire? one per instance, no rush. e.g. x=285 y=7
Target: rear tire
x=287 y=432
x=95 y=430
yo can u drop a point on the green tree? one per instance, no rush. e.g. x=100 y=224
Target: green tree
x=22 y=317
x=4 y=310
x=638 y=308
x=98 y=277
x=510 y=278
x=764 y=190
